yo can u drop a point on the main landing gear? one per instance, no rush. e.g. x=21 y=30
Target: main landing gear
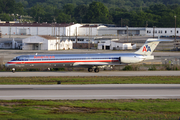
x=90 y=69
x=96 y=70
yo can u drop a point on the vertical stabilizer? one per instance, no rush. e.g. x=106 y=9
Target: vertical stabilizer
x=149 y=46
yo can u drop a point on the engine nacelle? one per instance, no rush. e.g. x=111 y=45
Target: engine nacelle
x=130 y=59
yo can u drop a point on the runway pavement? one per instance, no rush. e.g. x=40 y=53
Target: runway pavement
x=101 y=73
x=104 y=91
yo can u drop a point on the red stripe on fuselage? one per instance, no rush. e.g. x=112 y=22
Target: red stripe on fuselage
x=36 y=62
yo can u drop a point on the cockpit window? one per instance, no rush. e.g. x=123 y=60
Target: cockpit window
x=15 y=59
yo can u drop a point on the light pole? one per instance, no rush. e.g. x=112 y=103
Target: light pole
x=175 y=32
x=153 y=30
x=127 y=33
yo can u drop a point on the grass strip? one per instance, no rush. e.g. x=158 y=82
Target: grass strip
x=90 y=109
x=92 y=80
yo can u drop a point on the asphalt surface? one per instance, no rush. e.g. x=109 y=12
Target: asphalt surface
x=77 y=92
x=101 y=73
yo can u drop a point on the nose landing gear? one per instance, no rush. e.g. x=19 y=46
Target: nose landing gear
x=13 y=70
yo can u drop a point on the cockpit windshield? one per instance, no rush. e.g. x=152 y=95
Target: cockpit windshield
x=15 y=59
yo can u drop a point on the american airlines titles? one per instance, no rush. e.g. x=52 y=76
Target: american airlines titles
x=43 y=57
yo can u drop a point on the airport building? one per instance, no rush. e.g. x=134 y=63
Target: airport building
x=69 y=34
x=162 y=31
x=10 y=43
x=45 y=42
x=32 y=29
x=115 y=31
x=115 y=45
x=90 y=30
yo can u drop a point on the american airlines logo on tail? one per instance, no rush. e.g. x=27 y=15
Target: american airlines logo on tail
x=146 y=48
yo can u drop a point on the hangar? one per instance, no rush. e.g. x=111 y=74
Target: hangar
x=53 y=29
x=45 y=42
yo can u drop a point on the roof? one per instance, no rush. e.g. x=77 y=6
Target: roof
x=47 y=37
x=36 y=24
x=90 y=26
x=122 y=28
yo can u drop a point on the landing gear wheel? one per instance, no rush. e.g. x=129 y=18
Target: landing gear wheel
x=96 y=70
x=90 y=69
x=13 y=70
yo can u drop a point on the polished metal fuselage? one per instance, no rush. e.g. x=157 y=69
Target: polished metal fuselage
x=69 y=60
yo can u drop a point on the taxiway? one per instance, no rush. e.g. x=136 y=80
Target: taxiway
x=101 y=73
x=78 y=92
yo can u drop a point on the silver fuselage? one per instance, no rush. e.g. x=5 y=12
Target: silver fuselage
x=73 y=60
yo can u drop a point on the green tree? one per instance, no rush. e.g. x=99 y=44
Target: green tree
x=79 y=12
x=7 y=6
x=97 y=12
x=24 y=2
x=68 y=9
x=19 y=9
x=5 y=17
x=37 y=12
x=167 y=20
x=63 y=18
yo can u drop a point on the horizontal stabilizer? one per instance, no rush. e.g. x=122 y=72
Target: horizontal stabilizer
x=158 y=40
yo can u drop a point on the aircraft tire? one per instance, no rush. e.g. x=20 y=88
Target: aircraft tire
x=90 y=69
x=96 y=70
x=13 y=70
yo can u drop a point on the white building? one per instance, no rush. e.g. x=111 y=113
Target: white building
x=52 y=29
x=45 y=42
x=114 y=31
x=115 y=45
x=62 y=46
x=70 y=45
x=162 y=31
x=89 y=30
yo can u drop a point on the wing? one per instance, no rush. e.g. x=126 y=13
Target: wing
x=90 y=64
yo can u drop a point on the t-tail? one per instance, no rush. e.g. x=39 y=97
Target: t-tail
x=149 y=46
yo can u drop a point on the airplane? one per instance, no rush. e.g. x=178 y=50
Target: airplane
x=90 y=61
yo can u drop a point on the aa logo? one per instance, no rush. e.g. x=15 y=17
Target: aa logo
x=146 y=49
